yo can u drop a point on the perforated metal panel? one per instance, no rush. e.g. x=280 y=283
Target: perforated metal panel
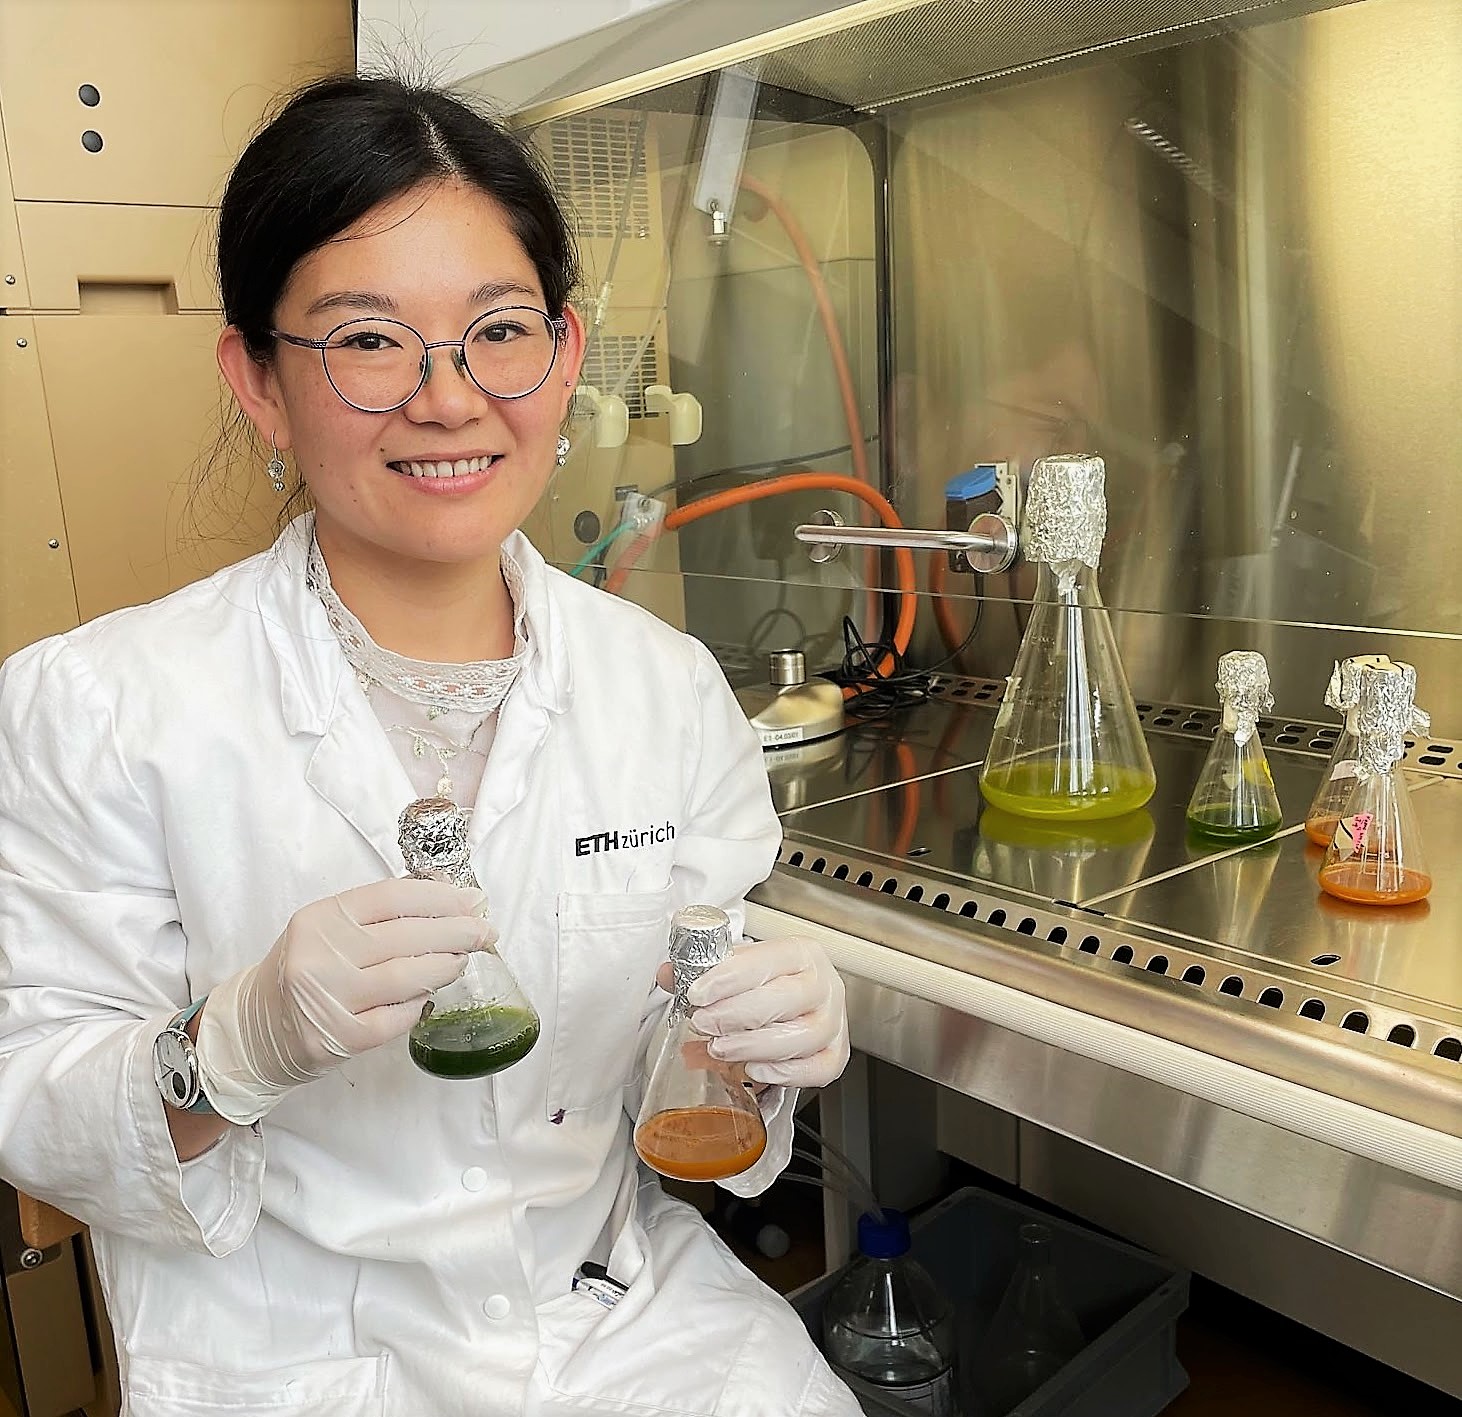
x=598 y=162
x=621 y=364
x=1183 y=960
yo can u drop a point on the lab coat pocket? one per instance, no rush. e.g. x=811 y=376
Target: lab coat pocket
x=328 y=1387
x=608 y=949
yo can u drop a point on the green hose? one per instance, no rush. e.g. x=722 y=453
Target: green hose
x=602 y=545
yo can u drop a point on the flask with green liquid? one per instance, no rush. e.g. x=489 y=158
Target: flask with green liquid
x=1235 y=800
x=1067 y=742
x=481 y=1022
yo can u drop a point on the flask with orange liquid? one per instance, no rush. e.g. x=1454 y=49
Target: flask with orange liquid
x=699 y=1120
x=1339 y=779
x=1375 y=855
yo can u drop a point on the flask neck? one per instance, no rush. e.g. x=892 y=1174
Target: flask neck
x=1067 y=582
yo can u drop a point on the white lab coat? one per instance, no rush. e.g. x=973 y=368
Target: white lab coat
x=175 y=781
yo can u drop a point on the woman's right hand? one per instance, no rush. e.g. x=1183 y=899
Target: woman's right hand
x=349 y=973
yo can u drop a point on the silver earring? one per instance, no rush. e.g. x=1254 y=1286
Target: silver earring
x=275 y=467
x=562 y=455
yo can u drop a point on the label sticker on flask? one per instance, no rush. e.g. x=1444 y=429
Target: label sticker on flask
x=1350 y=834
x=1346 y=767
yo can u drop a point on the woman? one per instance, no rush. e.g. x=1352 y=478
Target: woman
x=309 y=1224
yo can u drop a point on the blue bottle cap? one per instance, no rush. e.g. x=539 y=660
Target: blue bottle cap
x=886 y=1241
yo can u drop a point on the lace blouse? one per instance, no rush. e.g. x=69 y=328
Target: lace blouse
x=440 y=718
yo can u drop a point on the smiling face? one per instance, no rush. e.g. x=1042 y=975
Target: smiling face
x=436 y=258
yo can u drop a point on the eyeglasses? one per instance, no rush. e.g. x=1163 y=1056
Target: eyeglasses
x=380 y=365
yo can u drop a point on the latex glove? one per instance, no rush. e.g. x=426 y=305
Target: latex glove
x=778 y=1007
x=349 y=973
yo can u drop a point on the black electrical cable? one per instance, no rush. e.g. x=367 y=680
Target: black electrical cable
x=903 y=686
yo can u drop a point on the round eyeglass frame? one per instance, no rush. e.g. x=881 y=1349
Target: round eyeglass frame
x=557 y=323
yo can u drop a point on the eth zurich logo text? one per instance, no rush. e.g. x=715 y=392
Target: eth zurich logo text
x=629 y=840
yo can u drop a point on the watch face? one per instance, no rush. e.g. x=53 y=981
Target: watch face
x=174 y=1069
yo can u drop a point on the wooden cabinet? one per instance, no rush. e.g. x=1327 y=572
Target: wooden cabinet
x=118 y=124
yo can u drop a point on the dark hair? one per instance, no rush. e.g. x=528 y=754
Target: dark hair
x=340 y=147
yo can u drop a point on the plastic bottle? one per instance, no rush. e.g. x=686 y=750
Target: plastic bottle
x=1339 y=779
x=481 y=1022
x=699 y=1120
x=888 y=1326
x=1067 y=742
x=1234 y=800
x=1375 y=856
x=1033 y=1335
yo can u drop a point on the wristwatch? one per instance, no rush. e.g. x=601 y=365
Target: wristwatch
x=175 y=1065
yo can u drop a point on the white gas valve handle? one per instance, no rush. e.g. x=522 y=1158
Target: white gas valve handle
x=684 y=410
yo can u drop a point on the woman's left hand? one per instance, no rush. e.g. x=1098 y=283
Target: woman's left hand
x=777 y=1006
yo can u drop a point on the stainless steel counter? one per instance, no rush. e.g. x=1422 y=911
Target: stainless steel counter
x=1290 y=1055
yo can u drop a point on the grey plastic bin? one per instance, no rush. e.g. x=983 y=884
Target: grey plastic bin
x=1128 y=1302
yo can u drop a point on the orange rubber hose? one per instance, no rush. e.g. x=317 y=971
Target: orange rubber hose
x=796 y=482
x=826 y=314
x=837 y=352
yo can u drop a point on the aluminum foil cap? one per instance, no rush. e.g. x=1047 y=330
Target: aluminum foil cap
x=700 y=938
x=1341 y=692
x=432 y=834
x=1066 y=510
x=1243 y=689
x=1386 y=712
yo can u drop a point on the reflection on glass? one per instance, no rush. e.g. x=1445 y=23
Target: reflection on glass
x=1236 y=887
x=1062 y=860
x=796 y=772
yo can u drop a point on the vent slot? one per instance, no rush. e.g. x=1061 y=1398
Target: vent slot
x=598 y=163
x=623 y=365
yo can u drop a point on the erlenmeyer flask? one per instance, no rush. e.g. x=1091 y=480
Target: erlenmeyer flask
x=699 y=1120
x=1235 y=800
x=481 y=1022
x=1375 y=856
x=1339 y=778
x=1067 y=743
x=1033 y=1336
